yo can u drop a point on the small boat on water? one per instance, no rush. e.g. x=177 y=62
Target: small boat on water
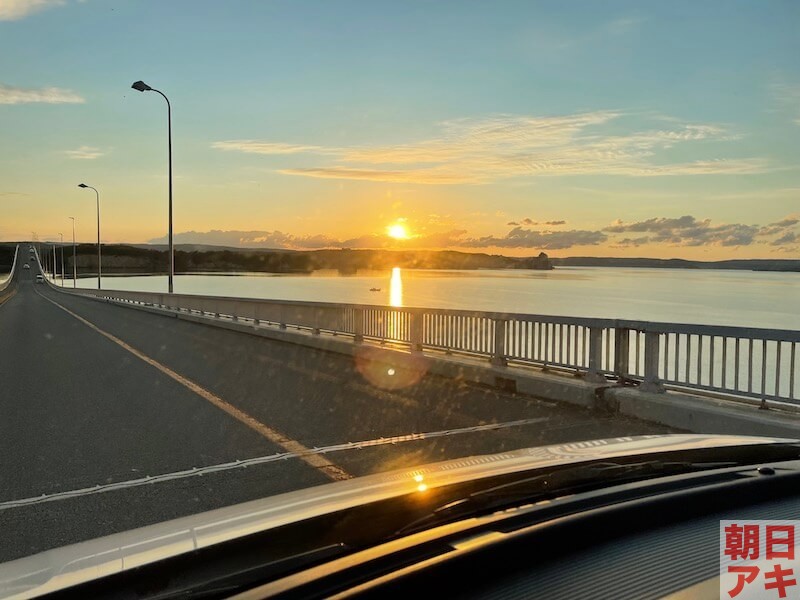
x=374 y=289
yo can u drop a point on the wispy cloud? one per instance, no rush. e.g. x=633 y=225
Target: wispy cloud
x=426 y=176
x=689 y=231
x=256 y=147
x=553 y=42
x=787 y=95
x=508 y=146
x=253 y=239
x=528 y=221
x=535 y=239
x=622 y=25
x=780 y=227
x=686 y=231
x=48 y=95
x=12 y=10
x=84 y=153
x=789 y=237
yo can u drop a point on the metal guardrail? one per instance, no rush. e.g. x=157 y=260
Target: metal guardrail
x=9 y=278
x=744 y=362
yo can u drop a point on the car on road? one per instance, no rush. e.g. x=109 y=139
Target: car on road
x=26 y=266
x=33 y=258
x=39 y=278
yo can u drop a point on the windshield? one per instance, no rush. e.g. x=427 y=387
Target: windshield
x=257 y=247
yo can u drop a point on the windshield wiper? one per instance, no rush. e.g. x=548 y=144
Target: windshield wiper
x=212 y=581
x=555 y=483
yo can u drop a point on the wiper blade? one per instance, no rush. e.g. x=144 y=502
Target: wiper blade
x=556 y=483
x=221 y=583
x=563 y=480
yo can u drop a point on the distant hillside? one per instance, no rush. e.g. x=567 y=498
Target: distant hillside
x=194 y=258
x=118 y=258
x=138 y=259
x=677 y=263
x=346 y=260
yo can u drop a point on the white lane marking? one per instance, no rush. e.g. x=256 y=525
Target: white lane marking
x=250 y=462
x=315 y=460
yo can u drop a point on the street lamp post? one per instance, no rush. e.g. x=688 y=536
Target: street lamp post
x=99 y=268
x=62 y=258
x=74 y=257
x=143 y=87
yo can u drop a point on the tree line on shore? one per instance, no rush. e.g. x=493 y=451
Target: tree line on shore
x=128 y=259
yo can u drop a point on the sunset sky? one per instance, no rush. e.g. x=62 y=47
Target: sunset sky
x=662 y=129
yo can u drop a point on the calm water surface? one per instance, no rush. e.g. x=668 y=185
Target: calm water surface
x=744 y=298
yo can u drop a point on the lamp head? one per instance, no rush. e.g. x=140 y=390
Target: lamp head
x=141 y=86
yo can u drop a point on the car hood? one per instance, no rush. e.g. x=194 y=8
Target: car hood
x=69 y=565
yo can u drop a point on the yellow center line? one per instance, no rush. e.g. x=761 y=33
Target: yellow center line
x=8 y=296
x=305 y=454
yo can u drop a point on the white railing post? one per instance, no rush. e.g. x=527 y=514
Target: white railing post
x=621 y=352
x=595 y=355
x=417 y=324
x=316 y=322
x=358 y=325
x=499 y=354
x=651 y=381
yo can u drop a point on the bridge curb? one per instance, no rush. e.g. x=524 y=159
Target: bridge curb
x=706 y=415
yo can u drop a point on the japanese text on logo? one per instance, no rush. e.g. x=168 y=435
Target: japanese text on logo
x=759 y=559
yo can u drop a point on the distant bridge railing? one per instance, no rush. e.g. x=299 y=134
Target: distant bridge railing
x=5 y=279
x=736 y=361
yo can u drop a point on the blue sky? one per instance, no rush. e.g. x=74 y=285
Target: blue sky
x=654 y=129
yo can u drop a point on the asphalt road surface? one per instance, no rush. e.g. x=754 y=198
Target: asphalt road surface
x=93 y=394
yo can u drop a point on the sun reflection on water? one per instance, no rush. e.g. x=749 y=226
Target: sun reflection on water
x=396 y=288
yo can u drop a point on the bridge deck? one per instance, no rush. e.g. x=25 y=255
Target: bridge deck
x=92 y=394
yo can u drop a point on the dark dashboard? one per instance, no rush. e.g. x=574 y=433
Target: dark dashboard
x=649 y=539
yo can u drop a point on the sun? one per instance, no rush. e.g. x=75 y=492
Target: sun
x=397 y=231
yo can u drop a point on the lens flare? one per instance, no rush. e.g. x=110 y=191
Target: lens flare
x=390 y=371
